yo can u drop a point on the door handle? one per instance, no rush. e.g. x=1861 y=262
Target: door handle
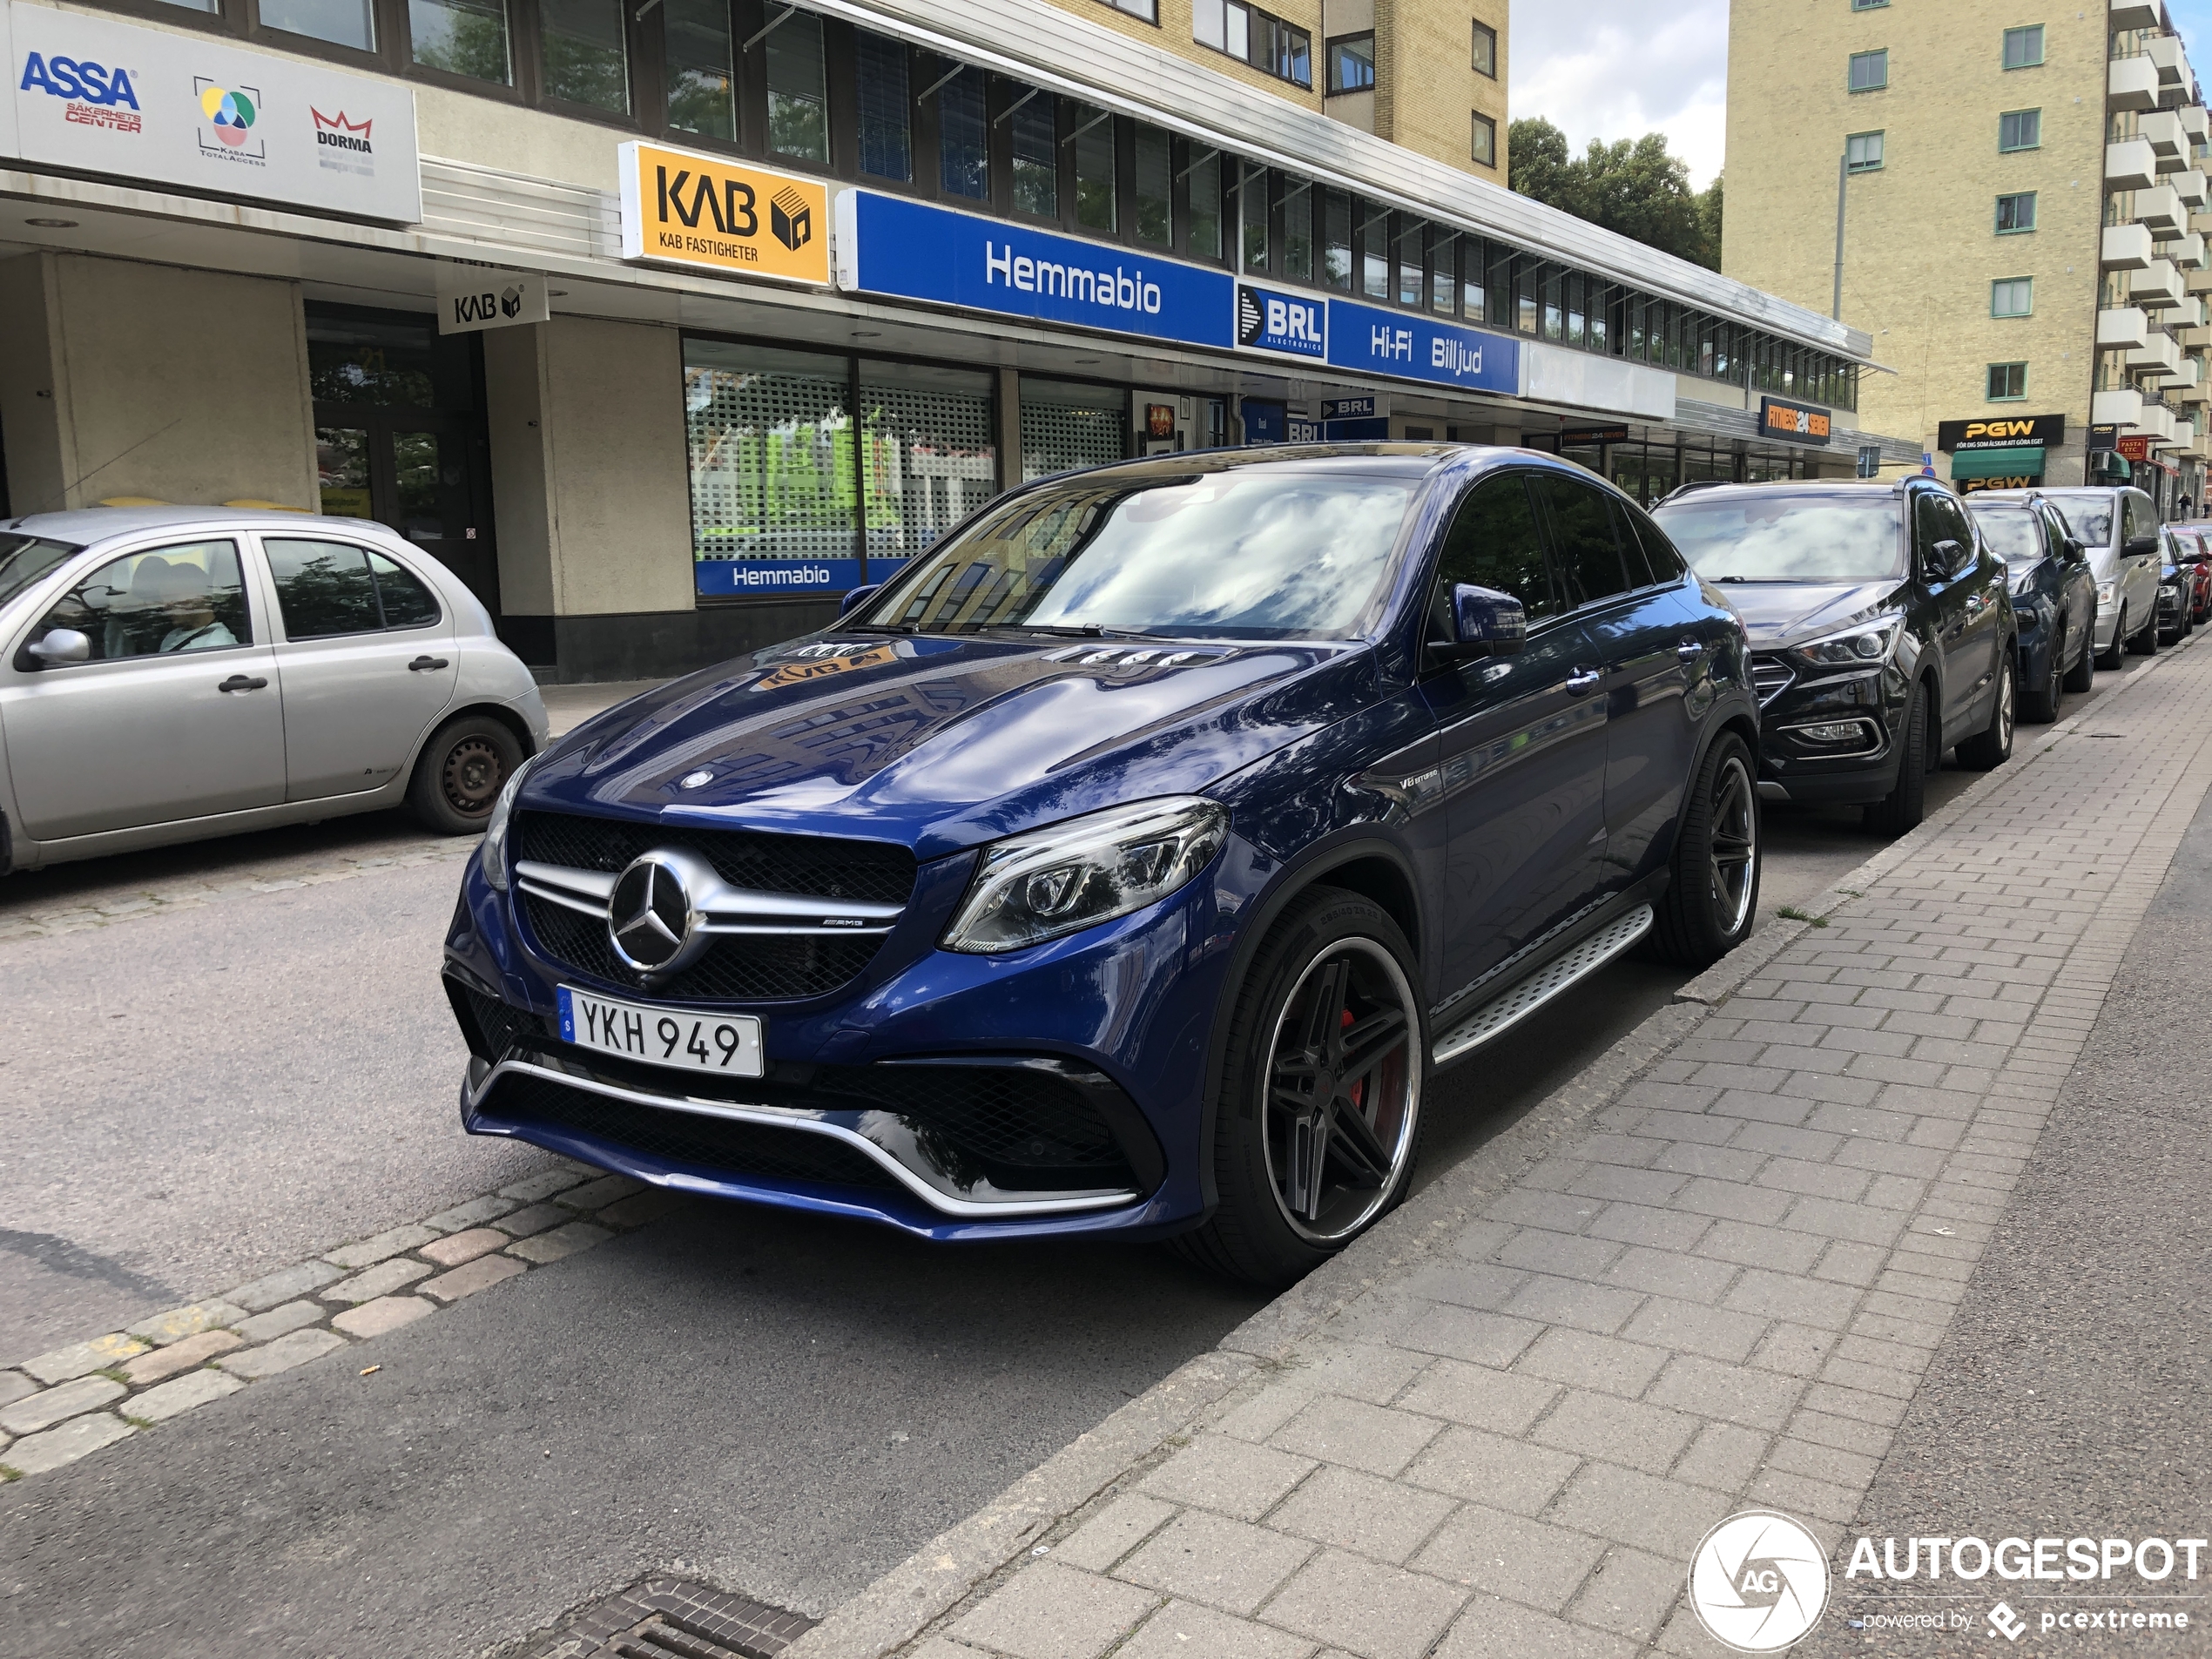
x=1690 y=649
x=1583 y=680
x=242 y=683
x=421 y=664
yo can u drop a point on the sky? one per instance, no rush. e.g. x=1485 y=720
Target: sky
x=1619 y=69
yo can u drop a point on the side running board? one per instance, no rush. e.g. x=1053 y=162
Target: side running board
x=1502 y=1013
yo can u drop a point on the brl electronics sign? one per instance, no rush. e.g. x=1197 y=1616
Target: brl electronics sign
x=98 y=96
x=679 y=208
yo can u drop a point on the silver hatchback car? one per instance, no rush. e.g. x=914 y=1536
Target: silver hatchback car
x=177 y=672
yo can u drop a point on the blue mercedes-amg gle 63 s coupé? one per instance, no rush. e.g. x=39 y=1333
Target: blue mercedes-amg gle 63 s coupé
x=1130 y=861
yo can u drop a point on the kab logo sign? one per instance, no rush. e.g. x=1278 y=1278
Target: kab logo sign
x=682 y=208
x=473 y=298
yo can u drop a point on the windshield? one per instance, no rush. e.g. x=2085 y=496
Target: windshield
x=2089 y=518
x=1787 y=537
x=2013 y=532
x=24 y=559
x=1246 y=553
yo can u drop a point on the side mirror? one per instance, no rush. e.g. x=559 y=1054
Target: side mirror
x=1946 y=558
x=2138 y=547
x=1485 y=623
x=61 y=645
x=858 y=598
x=2075 y=553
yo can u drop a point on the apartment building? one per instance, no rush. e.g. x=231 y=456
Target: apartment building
x=666 y=322
x=2022 y=200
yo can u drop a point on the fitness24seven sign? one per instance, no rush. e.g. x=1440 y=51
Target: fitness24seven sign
x=679 y=208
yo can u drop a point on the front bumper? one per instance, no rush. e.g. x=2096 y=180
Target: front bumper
x=900 y=1098
x=1856 y=762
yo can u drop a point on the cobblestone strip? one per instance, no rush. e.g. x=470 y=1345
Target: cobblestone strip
x=1719 y=1293
x=61 y=1406
x=189 y=895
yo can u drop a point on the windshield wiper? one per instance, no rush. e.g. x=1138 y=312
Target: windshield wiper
x=1082 y=630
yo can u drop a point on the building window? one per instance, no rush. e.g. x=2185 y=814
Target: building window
x=1374 y=256
x=1097 y=200
x=1254 y=37
x=1473 y=299
x=1336 y=240
x=2023 y=47
x=1409 y=263
x=2008 y=382
x=1870 y=71
x=887 y=134
x=1035 y=148
x=1252 y=217
x=2019 y=130
x=1868 y=5
x=1485 y=145
x=1205 y=206
x=1066 y=425
x=963 y=136
x=798 y=90
x=2012 y=297
x=1148 y=9
x=1298 y=196
x=702 y=90
x=1443 y=273
x=1351 y=63
x=1862 y=152
x=462 y=37
x=1486 y=50
x=1155 y=185
x=342 y=23
x=2016 y=212
x=585 y=57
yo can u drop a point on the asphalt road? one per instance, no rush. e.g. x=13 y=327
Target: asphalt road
x=786 y=1406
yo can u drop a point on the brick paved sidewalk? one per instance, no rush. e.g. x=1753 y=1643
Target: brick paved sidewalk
x=1720 y=1293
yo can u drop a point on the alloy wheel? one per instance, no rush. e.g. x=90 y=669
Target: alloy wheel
x=1343 y=1083
x=471 y=777
x=2005 y=711
x=1734 y=842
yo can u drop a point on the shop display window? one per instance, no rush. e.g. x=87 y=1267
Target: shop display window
x=773 y=462
x=1067 y=425
x=926 y=455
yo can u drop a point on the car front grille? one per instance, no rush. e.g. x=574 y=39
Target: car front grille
x=1020 y=1130
x=489 y=1026
x=745 y=967
x=1770 y=677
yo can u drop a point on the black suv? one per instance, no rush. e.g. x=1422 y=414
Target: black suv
x=1881 y=629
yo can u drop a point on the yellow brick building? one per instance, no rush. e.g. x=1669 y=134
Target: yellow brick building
x=1427 y=74
x=1977 y=197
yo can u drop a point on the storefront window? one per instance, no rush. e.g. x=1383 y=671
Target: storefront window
x=963 y=153
x=772 y=467
x=1155 y=186
x=342 y=23
x=461 y=37
x=798 y=92
x=585 y=57
x=1336 y=247
x=389 y=364
x=1035 y=146
x=886 y=144
x=927 y=459
x=1205 y=207
x=1298 y=229
x=701 y=92
x=1097 y=204
x=1066 y=425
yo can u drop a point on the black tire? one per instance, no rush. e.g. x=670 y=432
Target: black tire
x=2039 y=706
x=461 y=770
x=1906 y=802
x=2083 y=674
x=1363 y=1165
x=2144 y=641
x=2114 y=655
x=1712 y=897
x=1992 y=746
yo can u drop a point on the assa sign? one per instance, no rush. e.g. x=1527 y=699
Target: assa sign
x=98 y=96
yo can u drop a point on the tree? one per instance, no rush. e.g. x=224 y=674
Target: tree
x=1631 y=186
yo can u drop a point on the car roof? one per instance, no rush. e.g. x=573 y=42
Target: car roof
x=85 y=525
x=1720 y=489
x=1408 y=459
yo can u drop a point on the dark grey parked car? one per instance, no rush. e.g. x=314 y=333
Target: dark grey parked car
x=2054 y=598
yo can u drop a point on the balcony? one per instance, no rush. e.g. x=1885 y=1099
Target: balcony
x=2159 y=422
x=2186 y=375
x=2132 y=84
x=2116 y=408
x=2188 y=252
x=2192 y=397
x=2130 y=165
x=2165 y=51
x=2162 y=129
x=2186 y=318
x=2192 y=187
x=2196 y=124
x=2157 y=359
x=2198 y=281
x=2157 y=285
x=2119 y=326
x=2134 y=13
x=2160 y=208
x=2127 y=247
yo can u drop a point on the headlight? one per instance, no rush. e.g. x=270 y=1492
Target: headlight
x=2023 y=583
x=495 y=843
x=2105 y=591
x=1859 y=647
x=1075 y=874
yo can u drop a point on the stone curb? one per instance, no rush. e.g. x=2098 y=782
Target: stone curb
x=58 y=1406
x=896 y=1608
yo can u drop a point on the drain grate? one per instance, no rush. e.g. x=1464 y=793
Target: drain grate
x=667 y=1618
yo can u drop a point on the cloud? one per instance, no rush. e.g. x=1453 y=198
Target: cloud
x=1619 y=69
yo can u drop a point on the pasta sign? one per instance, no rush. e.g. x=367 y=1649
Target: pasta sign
x=679 y=208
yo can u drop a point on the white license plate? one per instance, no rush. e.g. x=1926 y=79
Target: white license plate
x=725 y=1044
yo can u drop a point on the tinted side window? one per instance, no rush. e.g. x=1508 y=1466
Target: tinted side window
x=1937 y=518
x=323 y=588
x=185 y=597
x=2138 y=520
x=1493 y=544
x=1587 y=556
x=407 y=604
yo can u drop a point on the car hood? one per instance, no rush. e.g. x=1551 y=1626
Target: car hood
x=1780 y=613
x=941 y=744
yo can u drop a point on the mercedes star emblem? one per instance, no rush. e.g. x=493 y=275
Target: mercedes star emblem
x=651 y=918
